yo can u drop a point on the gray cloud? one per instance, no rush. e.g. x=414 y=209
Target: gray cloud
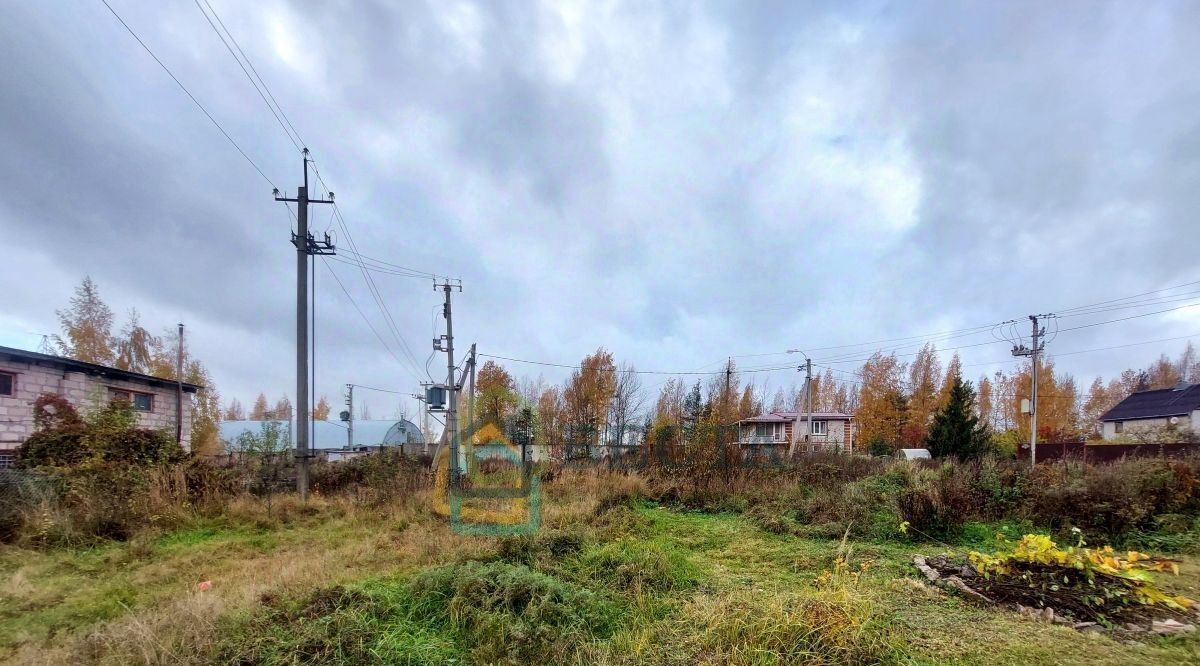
x=678 y=183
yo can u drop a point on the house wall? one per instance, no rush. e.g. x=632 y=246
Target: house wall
x=838 y=433
x=1108 y=429
x=82 y=390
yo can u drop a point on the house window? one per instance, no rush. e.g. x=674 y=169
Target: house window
x=762 y=429
x=818 y=427
x=8 y=383
x=142 y=402
x=1119 y=427
x=8 y=459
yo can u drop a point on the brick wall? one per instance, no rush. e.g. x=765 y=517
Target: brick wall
x=82 y=390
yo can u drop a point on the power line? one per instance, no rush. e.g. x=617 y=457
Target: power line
x=372 y=388
x=188 y=93
x=363 y=315
x=244 y=70
x=1125 y=298
x=256 y=74
x=379 y=302
x=637 y=372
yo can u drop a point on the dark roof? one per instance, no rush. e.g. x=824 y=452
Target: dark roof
x=785 y=417
x=1154 y=404
x=93 y=369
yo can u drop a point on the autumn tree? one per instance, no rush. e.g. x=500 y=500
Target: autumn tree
x=748 y=405
x=626 y=405
x=87 y=324
x=882 y=409
x=984 y=408
x=587 y=396
x=953 y=369
x=495 y=394
x=260 y=410
x=135 y=346
x=1057 y=404
x=924 y=383
x=283 y=409
x=1163 y=374
x=206 y=410
x=1100 y=398
x=550 y=418
x=321 y=411
x=235 y=411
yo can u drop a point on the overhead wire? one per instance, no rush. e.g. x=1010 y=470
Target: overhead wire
x=187 y=92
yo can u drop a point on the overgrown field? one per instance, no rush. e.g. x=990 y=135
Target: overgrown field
x=812 y=565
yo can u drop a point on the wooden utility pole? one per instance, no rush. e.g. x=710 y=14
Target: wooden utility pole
x=306 y=245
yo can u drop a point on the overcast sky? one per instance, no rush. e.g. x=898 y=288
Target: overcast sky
x=677 y=182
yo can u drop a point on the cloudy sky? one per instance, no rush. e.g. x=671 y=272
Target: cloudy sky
x=678 y=182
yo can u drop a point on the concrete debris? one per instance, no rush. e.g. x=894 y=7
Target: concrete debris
x=1169 y=627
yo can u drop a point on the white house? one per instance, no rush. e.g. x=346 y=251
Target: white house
x=1148 y=411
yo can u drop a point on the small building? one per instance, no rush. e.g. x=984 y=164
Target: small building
x=831 y=431
x=913 y=454
x=1145 y=412
x=24 y=375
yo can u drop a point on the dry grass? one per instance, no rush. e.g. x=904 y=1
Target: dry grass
x=328 y=541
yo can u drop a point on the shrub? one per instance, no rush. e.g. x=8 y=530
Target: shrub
x=63 y=439
x=511 y=614
x=372 y=478
x=528 y=548
x=636 y=568
x=937 y=503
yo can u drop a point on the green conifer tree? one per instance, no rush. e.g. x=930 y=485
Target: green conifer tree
x=956 y=430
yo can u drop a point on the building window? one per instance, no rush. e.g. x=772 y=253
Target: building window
x=762 y=429
x=1119 y=427
x=8 y=383
x=818 y=427
x=142 y=402
x=8 y=459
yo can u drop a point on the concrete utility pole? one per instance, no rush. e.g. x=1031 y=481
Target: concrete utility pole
x=350 y=411
x=306 y=245
x=451 y=384
x=179 y=389
x=1033 y=352
x=471 y=389
x=808 y=403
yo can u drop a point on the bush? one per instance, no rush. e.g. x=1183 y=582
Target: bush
x=375 y=477
x=638 y=568
x=510 y=613
x=1112 y=499
x=63 y=439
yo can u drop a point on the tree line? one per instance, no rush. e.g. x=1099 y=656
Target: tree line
x=896 y=404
